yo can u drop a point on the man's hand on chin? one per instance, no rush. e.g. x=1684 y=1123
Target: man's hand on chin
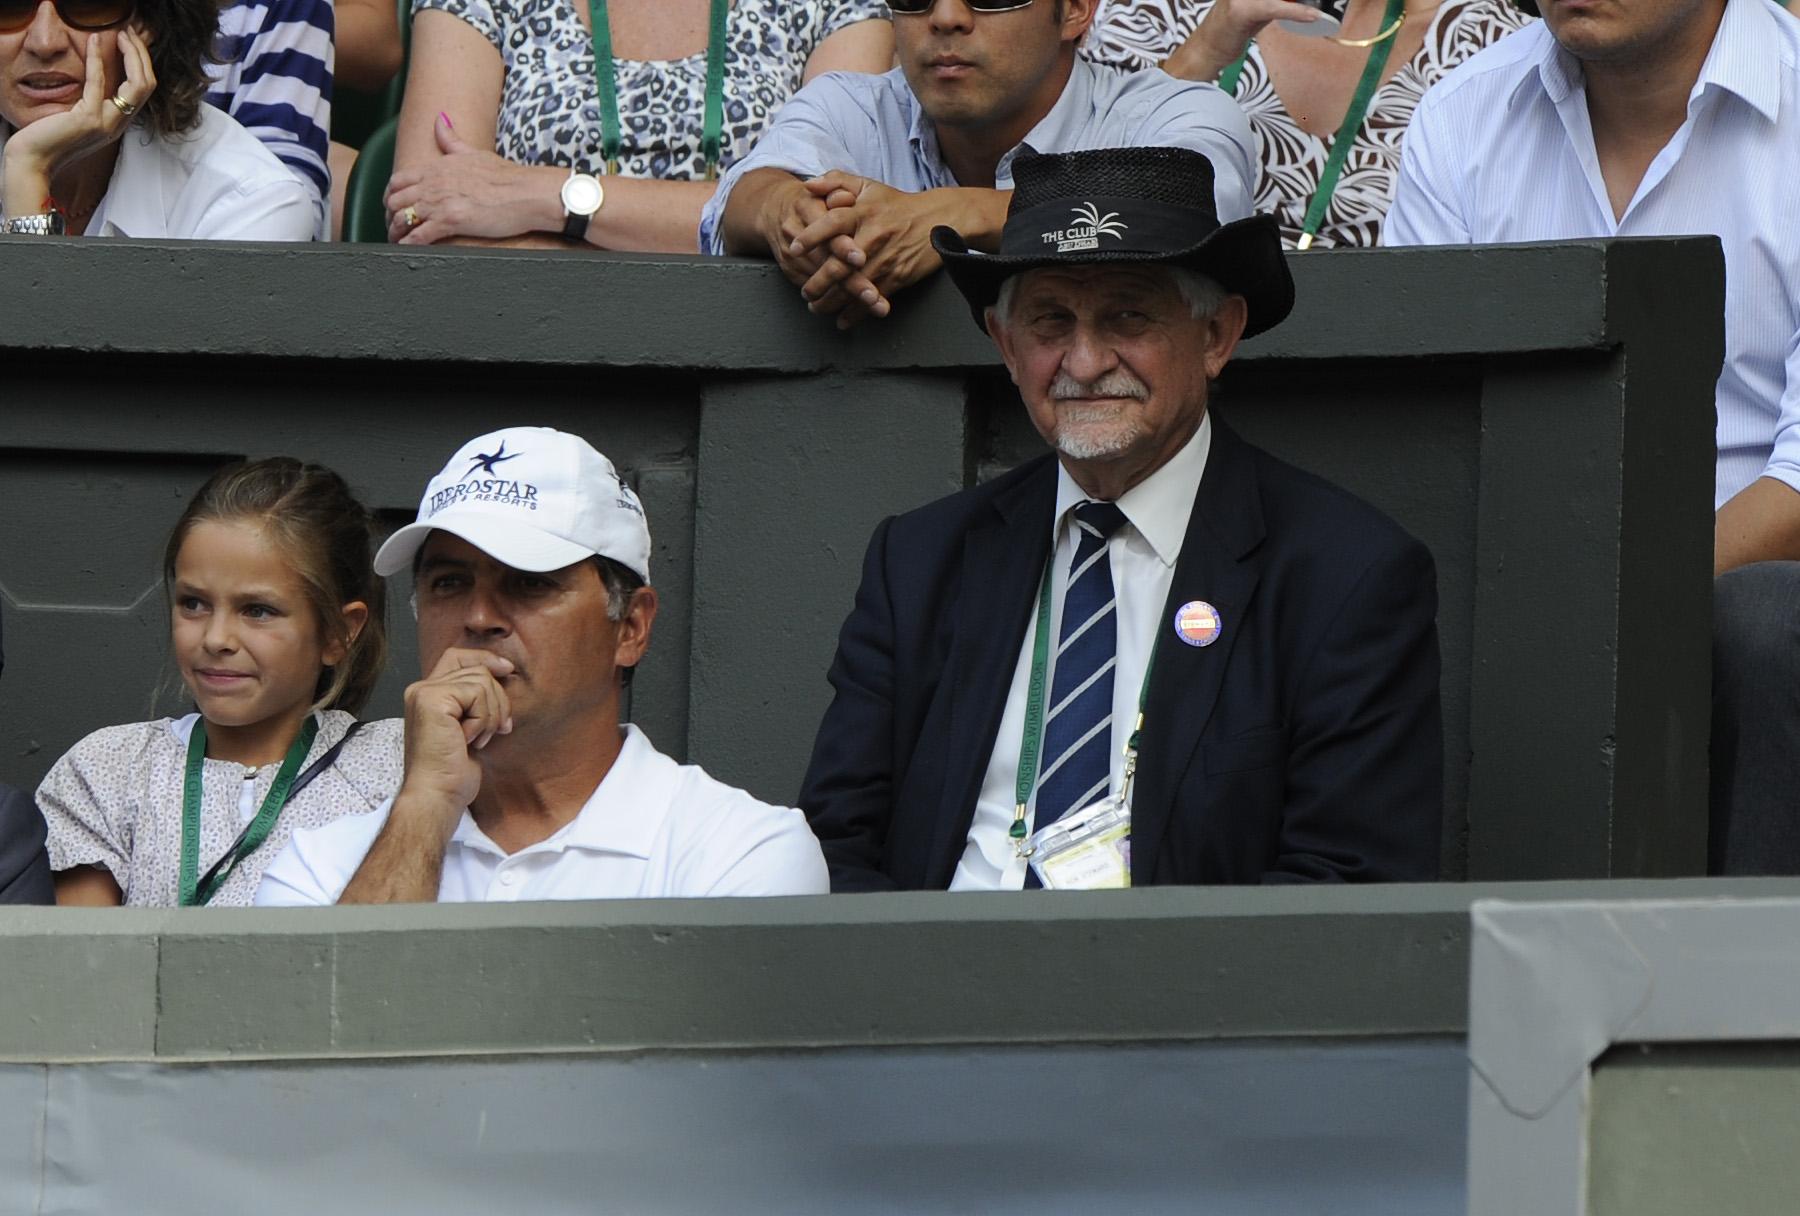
x=450 y=716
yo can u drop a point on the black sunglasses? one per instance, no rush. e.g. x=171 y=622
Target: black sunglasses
x=916 y=8
x=88 y=15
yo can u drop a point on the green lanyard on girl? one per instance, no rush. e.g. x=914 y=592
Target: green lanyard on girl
x=196 y=890
x=1379 y=46
x=712 y=133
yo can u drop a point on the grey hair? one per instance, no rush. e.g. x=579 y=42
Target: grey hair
x=621 y=584
x=1203 y=295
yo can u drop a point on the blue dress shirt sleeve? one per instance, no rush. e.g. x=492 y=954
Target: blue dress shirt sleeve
x=1425 y=210
x=1203 y=118
x=1784 y=458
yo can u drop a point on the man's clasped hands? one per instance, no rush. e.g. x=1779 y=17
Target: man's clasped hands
x=849 y=242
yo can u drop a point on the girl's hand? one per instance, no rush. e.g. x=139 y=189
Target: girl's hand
x=35 y=154
x=1226 y=34
x=470 y=192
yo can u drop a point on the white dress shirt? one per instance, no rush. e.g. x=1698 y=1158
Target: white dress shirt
x=1502 y=150
x=1143 y=554
x=651 y=828
x=216 y=182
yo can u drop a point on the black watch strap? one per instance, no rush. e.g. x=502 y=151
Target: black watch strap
x=575 y=226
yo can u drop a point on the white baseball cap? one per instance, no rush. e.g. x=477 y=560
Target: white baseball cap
x=534 y=498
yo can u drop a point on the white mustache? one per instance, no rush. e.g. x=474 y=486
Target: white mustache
x=1116 y=383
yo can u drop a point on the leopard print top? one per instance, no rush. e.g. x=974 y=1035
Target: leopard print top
x=1142 y=33
x=550 y=99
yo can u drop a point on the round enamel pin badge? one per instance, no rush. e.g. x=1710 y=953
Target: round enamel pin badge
x=1197 y=623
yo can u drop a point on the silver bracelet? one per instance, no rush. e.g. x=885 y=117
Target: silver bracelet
x=50 y=223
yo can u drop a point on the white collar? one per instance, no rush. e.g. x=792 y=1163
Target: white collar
x=622 y=815
x=134 y=204
x=1739 y=62
x=1159 y=506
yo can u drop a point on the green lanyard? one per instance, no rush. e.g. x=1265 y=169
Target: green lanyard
x=1346 y=132
x=1033 y=741
x=611 y=137
x=193 y=891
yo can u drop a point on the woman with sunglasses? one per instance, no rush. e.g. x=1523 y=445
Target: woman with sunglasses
x=103 y=131
x=546 y=122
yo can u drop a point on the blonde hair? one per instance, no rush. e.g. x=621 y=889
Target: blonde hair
x=310 y=515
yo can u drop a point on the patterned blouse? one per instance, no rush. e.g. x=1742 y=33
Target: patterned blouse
x=1142 y=33
x=550 y=97
x=114 y=800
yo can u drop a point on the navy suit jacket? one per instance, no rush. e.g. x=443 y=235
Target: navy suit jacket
x=1304 y=745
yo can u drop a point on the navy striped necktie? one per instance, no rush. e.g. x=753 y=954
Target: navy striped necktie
x=1077 y=757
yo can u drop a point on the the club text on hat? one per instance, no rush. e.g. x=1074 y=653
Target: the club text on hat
x=1087 y=234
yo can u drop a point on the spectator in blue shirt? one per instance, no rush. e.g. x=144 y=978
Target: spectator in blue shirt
x=845 y=187
x=275 y=78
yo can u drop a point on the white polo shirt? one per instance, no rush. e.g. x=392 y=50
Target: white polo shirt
x=651 y=828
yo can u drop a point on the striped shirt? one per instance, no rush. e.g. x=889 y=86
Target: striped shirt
x=1502 y=151
x=276 y=81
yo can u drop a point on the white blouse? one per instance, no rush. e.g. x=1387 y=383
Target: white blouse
x=114 y=800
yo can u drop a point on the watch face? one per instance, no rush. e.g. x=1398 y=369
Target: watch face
x=581 y=194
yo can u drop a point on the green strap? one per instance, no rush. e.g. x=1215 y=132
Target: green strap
x=192 y=893
x=612 y=137
x=1345 y=138
x=712 y=135
x=1032 y=742
x=1228 y=79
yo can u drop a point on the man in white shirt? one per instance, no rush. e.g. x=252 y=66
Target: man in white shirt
x=1159 y=627
x=531 y=570
x=1667 y=117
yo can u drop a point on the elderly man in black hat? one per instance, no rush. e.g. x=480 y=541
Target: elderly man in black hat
x=1159 y=655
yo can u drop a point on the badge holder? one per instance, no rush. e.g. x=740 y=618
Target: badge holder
x=1089 y=849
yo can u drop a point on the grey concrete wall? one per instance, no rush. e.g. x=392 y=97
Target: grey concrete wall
x=1682 y=1128
x=1540 y=416
x=1238 y=1051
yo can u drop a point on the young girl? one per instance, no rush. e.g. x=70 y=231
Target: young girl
x=275 y=621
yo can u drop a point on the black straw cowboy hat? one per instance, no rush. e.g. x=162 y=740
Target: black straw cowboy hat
x=1122 y=207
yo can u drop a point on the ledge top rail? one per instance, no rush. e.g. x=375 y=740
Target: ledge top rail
x=514 y=307
x=879 y=971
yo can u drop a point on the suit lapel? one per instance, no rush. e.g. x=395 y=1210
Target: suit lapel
x=1002 y=563
x=1218 y=564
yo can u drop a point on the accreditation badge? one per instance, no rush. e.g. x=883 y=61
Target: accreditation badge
x=1085 y=850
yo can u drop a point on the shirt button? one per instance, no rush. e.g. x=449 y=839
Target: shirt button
x=509 y=877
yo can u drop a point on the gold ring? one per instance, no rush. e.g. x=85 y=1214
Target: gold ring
x=411 y=217
x=125 y=107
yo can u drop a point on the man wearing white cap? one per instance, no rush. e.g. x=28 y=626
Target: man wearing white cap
x=531 y=569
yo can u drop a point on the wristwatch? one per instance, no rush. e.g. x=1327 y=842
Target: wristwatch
x=582 y=195
x=50 y=223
